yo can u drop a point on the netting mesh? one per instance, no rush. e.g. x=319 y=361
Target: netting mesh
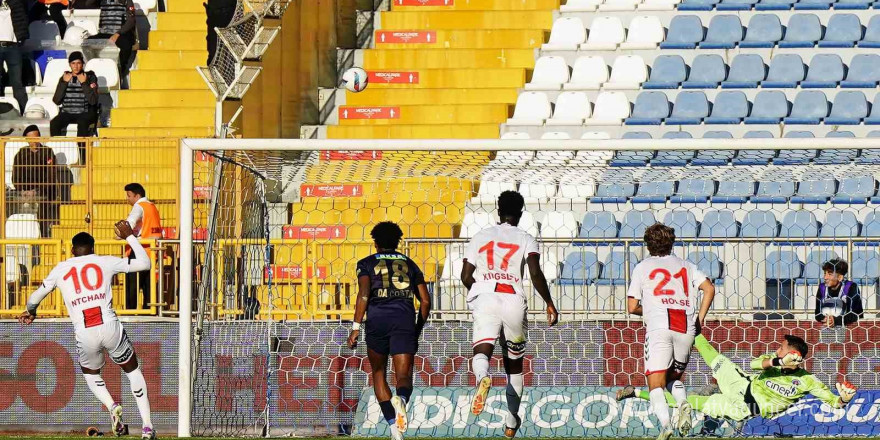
x=760 y=224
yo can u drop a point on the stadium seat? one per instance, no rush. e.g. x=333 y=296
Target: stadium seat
x=674 y=135
x=708 y=263
x=843 y=30
x=45 y=32
x=633 y=158
x=514 y=158
x=667 y=72
x=55 y=69
x=146 y=5
x=845 y=153
x=627 y=73
x=694 y=191
x=490 y=190
x=783 y=265
x=635 y=222
x=707 y=71
x=658 y=5
x=596 y=135
x=714 y=157
x=611 y=108
x=683 y=221
x=871 y=225
x=773 y=5
x=644 y=32
x=826 y=71
x=19 y=258
x=815 y=189
x=606 y=32
x=746 y=71
x=11 y=101
x=719 y=224
x=799 y=224
x=803 y=30
x=613 y=193
x=637 y=135
x=685 y=32
x=653 y=192
x=809 y=107
x=755 y=157
x=556 y=136
x=589 y=73
x=537 y=192
x=474 y=222
x=106 y=71
x=855 y=190
x=650 y=108
x=774 y=189
x=734 y=191
x=871 y=40
x=849 y=108
x=619 y=5
x=759 y=224
x=813 y=5
x=734 y=5
x=725 y=31
x=690 y=109
x=770 y=107
x=567 y=34
x=764 y=30
x=559 y=225
x=601 y=224
x=90 y=26
x=532 y=108
x=841 y=224
x=852 y=4
x=571 y=109
x=718 y=134
x=580 y=268
x=580 y=6
x=812 y=274
x=865 y=268
x=786 y=71
x=730 y=107
x=550 y=73
x=874 y=117
x=864 y=71
x=48 y=105
x=66 y=153
x=837 y=156
x=615 y=268
x=674 y=158
x=697 y=5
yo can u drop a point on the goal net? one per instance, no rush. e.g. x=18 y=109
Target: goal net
x=278 y=227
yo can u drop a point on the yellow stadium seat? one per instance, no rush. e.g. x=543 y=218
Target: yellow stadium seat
x=431 y=20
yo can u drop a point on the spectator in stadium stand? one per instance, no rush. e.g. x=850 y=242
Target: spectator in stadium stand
x=77 y=94
x=50 y=9
x=838 y=302
x=34 y=175
x=117 y=24
x=147 y=225
x=13 y=32
x=220 y=13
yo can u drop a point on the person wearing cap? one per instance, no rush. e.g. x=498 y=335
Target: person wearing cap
x=34 y=174
x=77 y=94
x=13 y=32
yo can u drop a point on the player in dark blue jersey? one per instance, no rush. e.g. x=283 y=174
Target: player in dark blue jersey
x=388 y=282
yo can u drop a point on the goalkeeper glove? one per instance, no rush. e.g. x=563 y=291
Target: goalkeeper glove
x=790 y=360
x=846 y=391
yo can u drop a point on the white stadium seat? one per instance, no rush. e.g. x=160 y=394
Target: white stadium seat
x=596 y=136
x=532 y=108
x=611 y=109
x=10 y=151
x=66 y=153
x=91 y=26
x=20 y=226
x=11 y=101
x=474 y=222
x=567 y=34
x=490 y=190
x=107 y=72
x=550 y=73
x=55 y=69
x=619 y=5
x=571 y=109
x=559 y=225
x=590 y=72
x=556 y=136
x=576 y=190
x=627 y=73
x=44 y=32
x=48 y=105
x=515 y=136
x=146 y=5
x=658 y=5
x=537 y=192
x=645 y=32
x=527 y=223
x=580 y=6
x=606 y=32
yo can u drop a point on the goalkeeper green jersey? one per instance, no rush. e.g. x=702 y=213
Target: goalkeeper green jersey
x=775 y=390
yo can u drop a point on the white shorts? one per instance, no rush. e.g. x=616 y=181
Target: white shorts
x=501 y=315
x=110 y=337
x=665 y=349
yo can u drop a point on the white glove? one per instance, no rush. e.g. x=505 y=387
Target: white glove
x=846 y=391
x=792 y=359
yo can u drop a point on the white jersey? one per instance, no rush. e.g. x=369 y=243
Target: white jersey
x=85 y=285
x=499 y=253
x=667 y=288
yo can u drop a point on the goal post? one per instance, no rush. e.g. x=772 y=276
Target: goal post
x=576 y=192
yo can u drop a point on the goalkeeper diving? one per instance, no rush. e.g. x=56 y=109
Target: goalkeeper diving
x=780 y=383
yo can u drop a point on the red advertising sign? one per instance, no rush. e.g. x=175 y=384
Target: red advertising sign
x=414 y=37
x=393 y=77
x=336 y=190
x=348 y=112
x=312 y=232
x=202 y=192
x=424 y=2
x=351 y=155
x=198 y=233
x=280 y=273
x=203 y=157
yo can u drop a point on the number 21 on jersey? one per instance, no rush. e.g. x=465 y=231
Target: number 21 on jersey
x=664 y=277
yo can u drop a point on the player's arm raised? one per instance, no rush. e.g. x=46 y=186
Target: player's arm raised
x=540 y=283
x=821 y=391
x=360 y=309
x=141 y=261
x=30 y=313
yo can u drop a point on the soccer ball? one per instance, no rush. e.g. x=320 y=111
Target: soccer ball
x=355 y=79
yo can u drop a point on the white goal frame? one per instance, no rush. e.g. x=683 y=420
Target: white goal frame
x=189 y=146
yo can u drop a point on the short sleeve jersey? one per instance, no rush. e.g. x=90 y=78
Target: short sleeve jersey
x=667 y=288
x=499 y=253
x=394 y=281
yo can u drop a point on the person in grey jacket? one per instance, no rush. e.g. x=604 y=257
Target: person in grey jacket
x=77 y=94
x=118 y=25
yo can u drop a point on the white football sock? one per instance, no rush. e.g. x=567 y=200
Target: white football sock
x=99 y=389
x=676 y=388
x=480 y=365
x=660 y=407
x=139 y=390
x=514 y=395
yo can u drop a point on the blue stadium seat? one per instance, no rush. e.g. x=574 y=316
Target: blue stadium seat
x=815 y=189
x=599 y=224
x=697 y=5
x=613 y=192
x=797 y=134
x=694 y=191
x=714 y=157
x=614 y=270
x=803 y=30
x=667 y=72
x=774 y=191
x=770 y=107
x=826 y=71
x=852 y=4
x=683 y=221
x=709 y=264
x=755 y=157
x=732 y=191
x=874 y=117
x=855 y=190
x=783 y=265
x=871 y=40
x=746 y=71
x=799 y=224
x=840 y=134
x=653 y=192
x=813 y=5
x=637 y=135
x=725 y=31
x=760 y=224
x=635 y=223
x=843 y=30
x=813 y=268
x=631 y=158
x=672 y=135
x=674 y=158
x=786 y=71
x=864 y=71
x=871 y=225
x=690 y=108
x=718 y=134
x=809 y=107
x=773 y=5
x=719 y=224
x=799 y=156
x=849 y=108
x=730 y=107
x=841 y=224
x=650 y=108
x=837 y=156
x=872 y=156
x=707 y=71
x=685 y=31
x=579 y=269
x=733 y=5
x=865 y=268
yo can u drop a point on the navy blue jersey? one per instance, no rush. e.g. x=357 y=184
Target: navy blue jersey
x=394 y=280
